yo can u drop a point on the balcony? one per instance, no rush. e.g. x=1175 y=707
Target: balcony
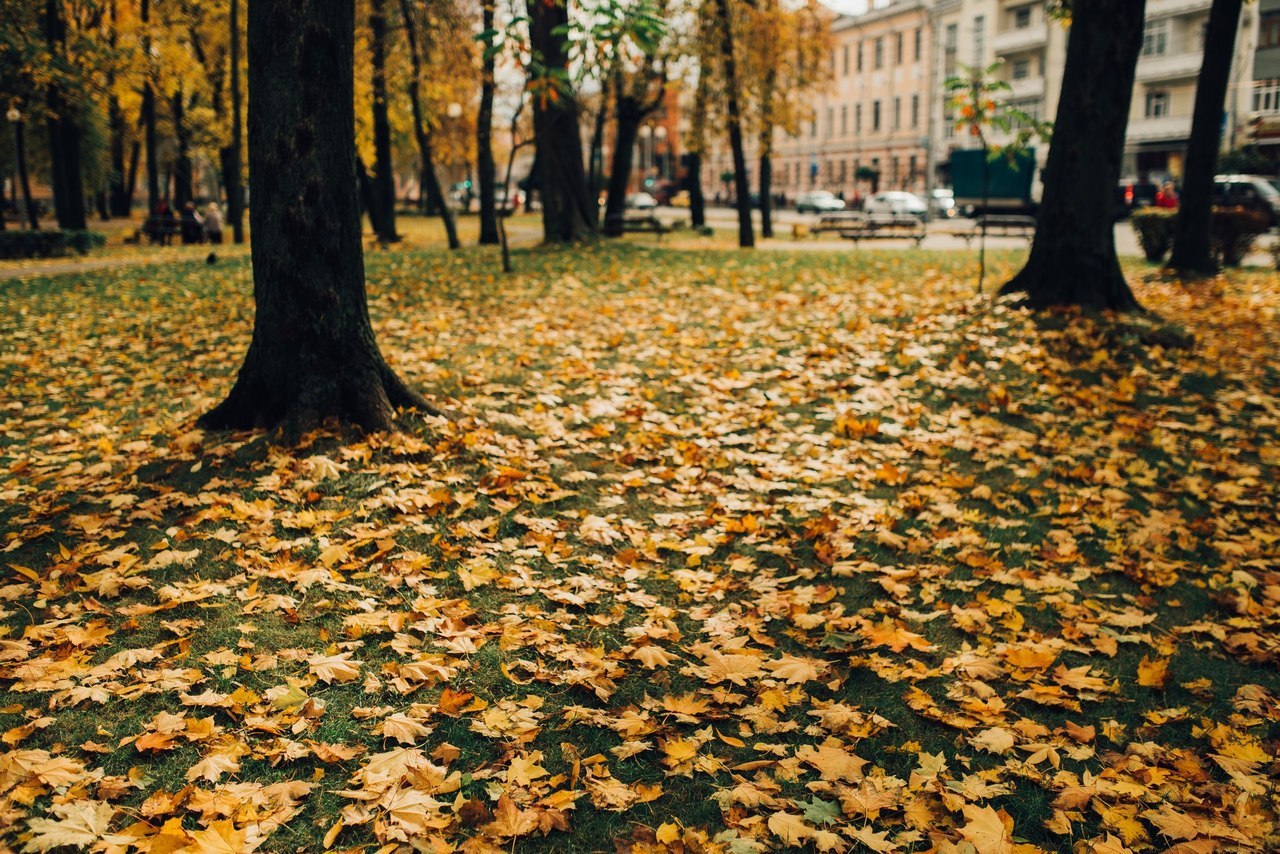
x=1166 y=8
x=1027 y=87
x=1169 y=66
x=1025 y=38
x=1155 y=130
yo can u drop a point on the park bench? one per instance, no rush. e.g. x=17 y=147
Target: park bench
x=1002 y=225
x=838 y=221
x=644 y=222
x=886 y=226
x=157 y=230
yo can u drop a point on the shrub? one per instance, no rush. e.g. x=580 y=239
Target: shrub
x=47 y=244
x=1233 y=232
x=1154 y=227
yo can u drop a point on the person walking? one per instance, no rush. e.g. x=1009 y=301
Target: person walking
x=192 y=229
x=213 y=223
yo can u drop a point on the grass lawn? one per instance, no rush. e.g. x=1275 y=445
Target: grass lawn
x=721 y=552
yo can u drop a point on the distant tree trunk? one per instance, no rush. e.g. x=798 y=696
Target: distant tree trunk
x=119 y=188
x=746 y=234
x=64 y=133
x=420 y=131
x=384 y=182
x=567 y=213
x=766 y=153
x=149 y=121
x=1192 y=252
x=131 y=183
x=698 y=204
x=1073 y=256
x=368 y=196
x=313 y=355
x=182 y=178
x=233 y=180
x=596 y=162
x=627 y=123
x=486 y=170
x=20 y=154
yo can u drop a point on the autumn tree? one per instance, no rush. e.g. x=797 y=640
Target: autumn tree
x=724 y=35
x=486 y=170
x=1073 y=255
x=421 y=131
x=568 y=212
x=384 y=182
x=313 y=354
x=1192 y=252
x=63 y=123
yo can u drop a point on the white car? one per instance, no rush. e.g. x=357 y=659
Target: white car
x=896 y=202
x=640 y=202
x=944 y=203
x=818 y=201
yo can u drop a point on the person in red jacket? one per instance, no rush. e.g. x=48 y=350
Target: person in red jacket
x=1166 y=196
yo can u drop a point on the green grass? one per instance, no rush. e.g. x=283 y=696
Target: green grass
x=1019 y=492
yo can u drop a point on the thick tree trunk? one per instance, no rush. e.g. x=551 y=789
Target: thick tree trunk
x=567 y=212
x=182 y=179
x=1073 y=256
x=766 y=188
x=746 y=234
x=629 y=115
x=486 y=171
x=234 y=182
x=20 y=153
x=432 y=183
x=118 y=181
x=313 y=355
x=596 y=164
x=64 y=133
x=149 y=122
x=697 y=203
x=1192 y=252
x=384 y=182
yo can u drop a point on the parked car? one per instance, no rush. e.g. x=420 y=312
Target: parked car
x=1248 y=191
x=942 y=204
x=1132 y=194
x=818 y=201
x=641 y=202
x=896 y=202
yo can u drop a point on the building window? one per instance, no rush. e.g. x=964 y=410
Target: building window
x=844 y=120
x=875 y=115
x=879 y=53
x=897 y=113
x=1021 y=17
x=1269 y=29
x=919 y=39
x=912 y=169
x=898 y=49
x=842 y=165
x=844 y=61
x=1155 y=37
x=952 y=38
x=859 y=56
x=1030 y=107
x=915 y=111
x=979 y=38
x=857 y=118
x=1021 y=69
x=831 y=121
x=1157 y=105
x=813 y=128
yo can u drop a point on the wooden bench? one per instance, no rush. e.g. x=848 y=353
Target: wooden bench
x=838 y=221
x=157 y=230
x=1000 y=225
x=886 y=226
x=644 y=222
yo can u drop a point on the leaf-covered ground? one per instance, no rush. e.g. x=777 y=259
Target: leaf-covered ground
x=723 y=552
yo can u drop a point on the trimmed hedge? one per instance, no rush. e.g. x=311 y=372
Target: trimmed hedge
x=1232 y=232
x=47 y=244
x=1154 y=227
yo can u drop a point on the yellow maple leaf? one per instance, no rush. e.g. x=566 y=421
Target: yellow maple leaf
x=1153 y=673
x=790 y=828
x=334 y=668
x=990 y=832
x=78 y=824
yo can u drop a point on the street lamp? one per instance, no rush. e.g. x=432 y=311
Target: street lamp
x=14 y=115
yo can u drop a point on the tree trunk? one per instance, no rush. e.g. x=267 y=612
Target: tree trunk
x=149 y=121
x=697 y=203
x=119 y=189
x=313 y=355
x=64 y=133
x=746 y=235
x=629 y=115
x=20 y=154
x=235 y=184
x=368 y=196
x=1073 y=256
x=486 y=171
x=567 y=212
x=182 y=192
x=766 y=188
x=420 y=131
x=384 y=185
x=1192 y=252
x=131 y=183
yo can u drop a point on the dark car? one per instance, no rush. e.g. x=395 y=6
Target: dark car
x=1248 y=191
x=1133 y=194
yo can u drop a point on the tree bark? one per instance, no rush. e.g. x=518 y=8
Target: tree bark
x=766 y=188
x=627 y=121
x=697 y=203
x=182 y=192
x=20 y=154
x=421 y=133
x=119 y=188
x=486 y=170
x=567 y=212
x=313 y=355
x=1073 y=256
x=1192 y=251
x=234 y=181
x=149 y=119
x=596 y=164
x=746 y=234
x=368 y=196
x=384 y=186
x=64 y=133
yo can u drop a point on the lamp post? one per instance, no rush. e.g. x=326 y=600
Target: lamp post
x=659 y=141
x=646 y=134
x=14 y=115
x=454 y=112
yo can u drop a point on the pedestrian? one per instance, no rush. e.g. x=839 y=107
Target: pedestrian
x=192 y=228
x=213 y=223
x=1167 y=196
